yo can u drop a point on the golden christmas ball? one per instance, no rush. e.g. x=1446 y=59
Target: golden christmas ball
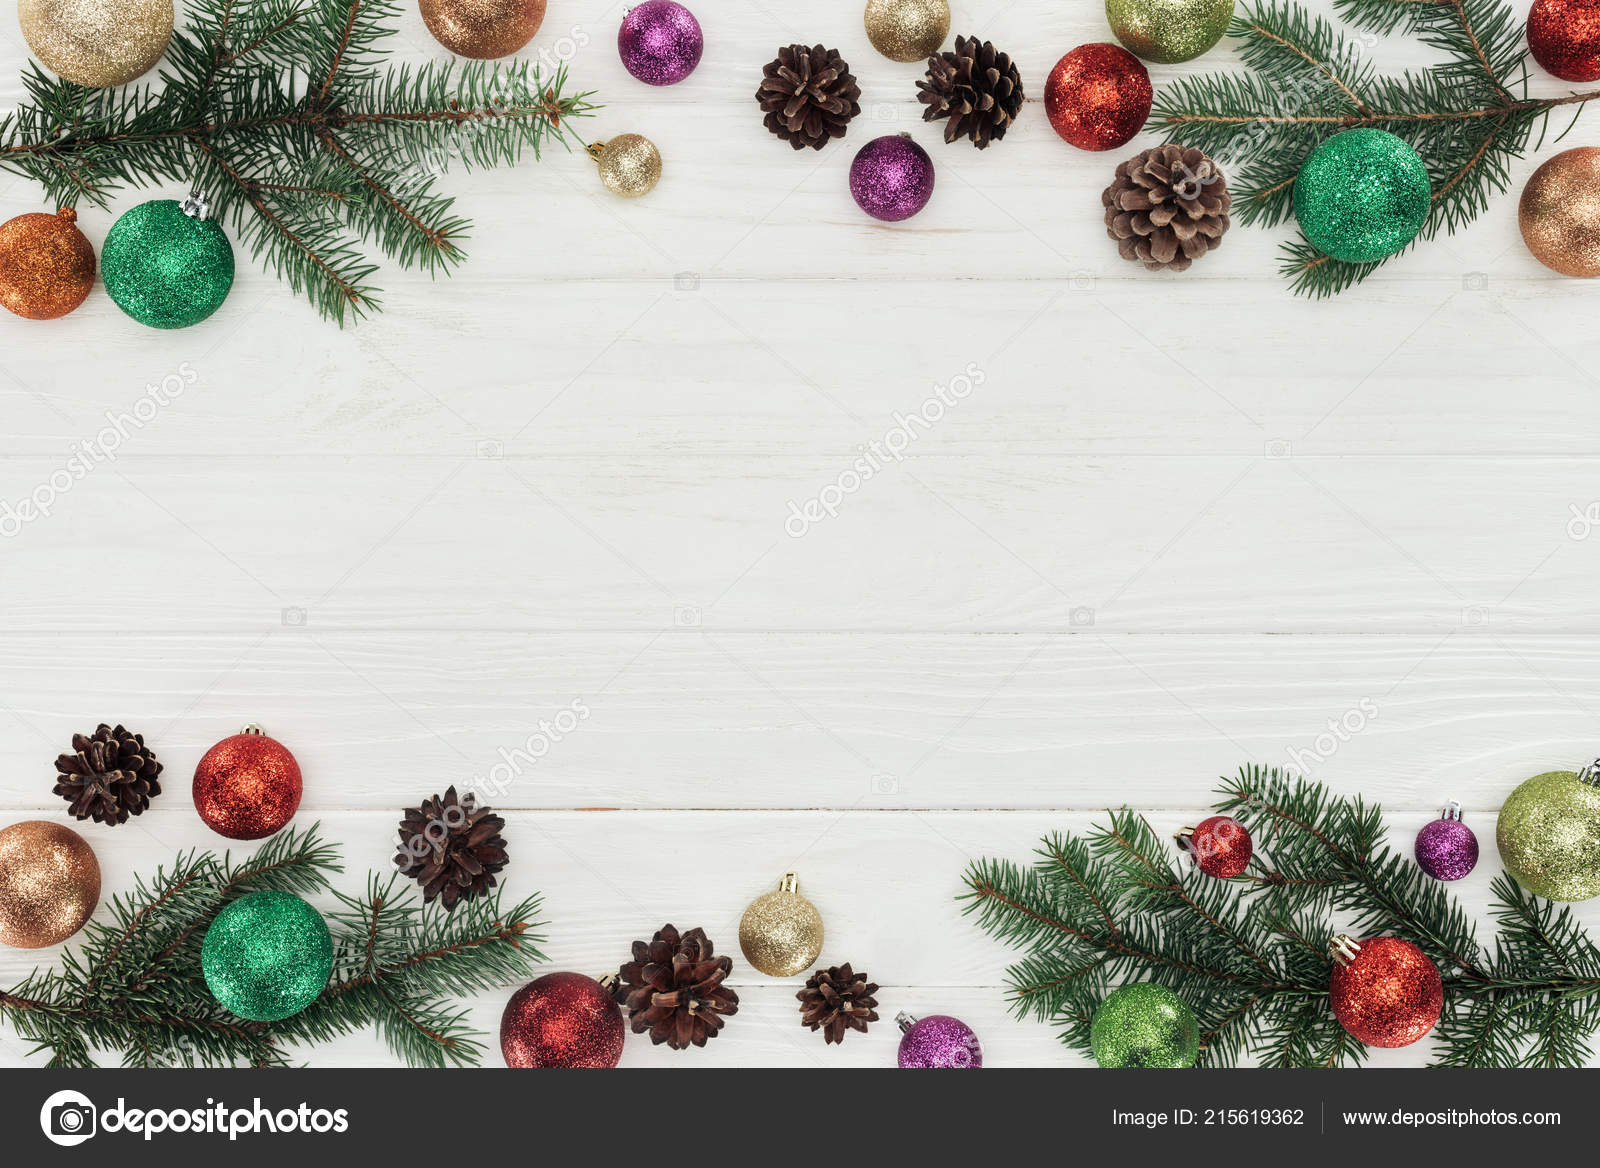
x=630 y=164
x=97 y=43
x=484 y=29
x=46 y=264
x=781 y=932
x=1549 y=835
x=49 y=884
x=1560 y=212
x=907 y=30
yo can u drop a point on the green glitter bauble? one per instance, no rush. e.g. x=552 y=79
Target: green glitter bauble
x=1169 y=31
x=1144 y=1025
x=267 y=956
x=1549 y=836
x=164 y=268
x=1362 y=195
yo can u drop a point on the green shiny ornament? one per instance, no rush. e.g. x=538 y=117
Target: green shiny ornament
x=166 y=265
x=1169 y=31
x=267 y=955
x=1362 y=195
x=1144 y=1025
x=1549 y=835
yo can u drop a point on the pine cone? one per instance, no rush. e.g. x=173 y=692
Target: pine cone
x=109 y=776
x=976 y=87
x=836 y=1000
x=1167 y=207
x=673 y=988
x=810 y=96
x=452 y=847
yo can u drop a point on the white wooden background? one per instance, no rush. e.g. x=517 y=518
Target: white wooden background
x=1185 y=522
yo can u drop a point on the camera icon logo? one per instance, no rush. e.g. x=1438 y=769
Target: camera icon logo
x=68 y=1118
x=293 y=617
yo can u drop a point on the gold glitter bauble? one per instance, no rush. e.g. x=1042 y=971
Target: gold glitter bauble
x=46 y=264
x=484 y=29
x=97 y=43
x=49 y=884
x=1560 y=212
x=1549 y=836
x=630 y=164
x=907 y=30
x=781 y=932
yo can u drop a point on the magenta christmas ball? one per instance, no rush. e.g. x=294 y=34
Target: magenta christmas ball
x=891 y=178
x=938 y=1042
x=660 y=42
x=1447 y=849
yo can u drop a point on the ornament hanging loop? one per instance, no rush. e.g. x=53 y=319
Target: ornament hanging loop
x=905 y=1021
x=789 y=883
x=1451 y=810
x=1343 y=949
x=196 y=206
x=1185 y=841
x=594 y=150
x=254 y=728
x=1590 y=773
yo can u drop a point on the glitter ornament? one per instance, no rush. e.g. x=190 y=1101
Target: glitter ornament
x=46 y=264
x=484 y=29
x=1564 y=36
x=1384 y=990
x=1362 y=195
x=1559 y=213
x=891 y=178
x=1549 y=834
x=630 y=164
x=247 y=787
x=562 y=1020
x=1169 y=31
x=166 y=264
x=49 y=884
x=96 y=43
x=267 y=956
x=660 y=42
x=781 y=932
x=1098 y=96
x=938 y=1043
x=907 y=30
x=1144 y=1025
x=1220 y=846
x=1446 y=848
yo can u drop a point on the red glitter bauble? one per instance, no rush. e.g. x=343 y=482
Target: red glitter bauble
x=1389 y=994
x=1098 y=96
x=247 y=786
x=562 y=1020
x=1565 y=38
x=1221 y=847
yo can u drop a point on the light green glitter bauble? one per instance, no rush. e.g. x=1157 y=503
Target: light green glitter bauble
x=165 y=268
x=1169 y=31
x=267 y=956
x=1362 y=195
x=1549 y=836
x=1144 y=1025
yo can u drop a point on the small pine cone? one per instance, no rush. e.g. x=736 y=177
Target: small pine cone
x=452 y=847
x=836 y=1000
x=810 y=96
x=109 y=775
x=673 y=988
x=1167 y=207
x=976 y=87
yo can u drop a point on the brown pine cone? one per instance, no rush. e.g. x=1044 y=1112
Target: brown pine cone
x=809 y=95
x=452 y=847
x=108 y=776
x=836 y=1000
x=673 y=988
x=977 y=87
x=1167 y=207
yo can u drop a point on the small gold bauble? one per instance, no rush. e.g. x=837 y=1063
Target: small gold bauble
x=483 y=29
x=630 y=164
x=907 y=30
x=1549 y=836
x=97 y=43
x=49 y=884
x=1559 y=213
x=781 y=932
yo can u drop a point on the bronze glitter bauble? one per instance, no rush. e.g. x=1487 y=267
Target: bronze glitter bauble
x=46 y=264
x=49 y=884
x=248 y=786
x=484 y=29
x=1559 y=213
x=1384 y=990
x=1549 y=836
x=907 y=30
x=97 y=43
x=630 y=164
x=781 y=932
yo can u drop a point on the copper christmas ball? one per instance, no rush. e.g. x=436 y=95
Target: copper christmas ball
x=46 y=264
x=1564 y=36
x=484 y=29
x=1384 y=990
x=1559 y=213
x=1098 y=96
x=49 y=884
x=97 y=43
x=248 y=786
x=562 y=1020
x=907 y=30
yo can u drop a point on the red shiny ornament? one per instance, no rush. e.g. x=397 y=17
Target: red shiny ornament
x=1565 y=38
x=247 y=786
x=562 y=1020
x=1098 y=96
x=1221 y=846
x=1384 y=990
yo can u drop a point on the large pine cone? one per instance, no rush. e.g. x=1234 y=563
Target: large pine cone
x=109 y=775
x=673 y=988
x=836 y=1000
x=810 y=96
x=1167 y=207
x=452 y=847
x=977 y=87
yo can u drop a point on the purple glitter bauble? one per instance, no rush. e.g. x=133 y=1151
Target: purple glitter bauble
x=892 y=177
x=940 y=1042
x=660 y=42
x=1447 y=849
